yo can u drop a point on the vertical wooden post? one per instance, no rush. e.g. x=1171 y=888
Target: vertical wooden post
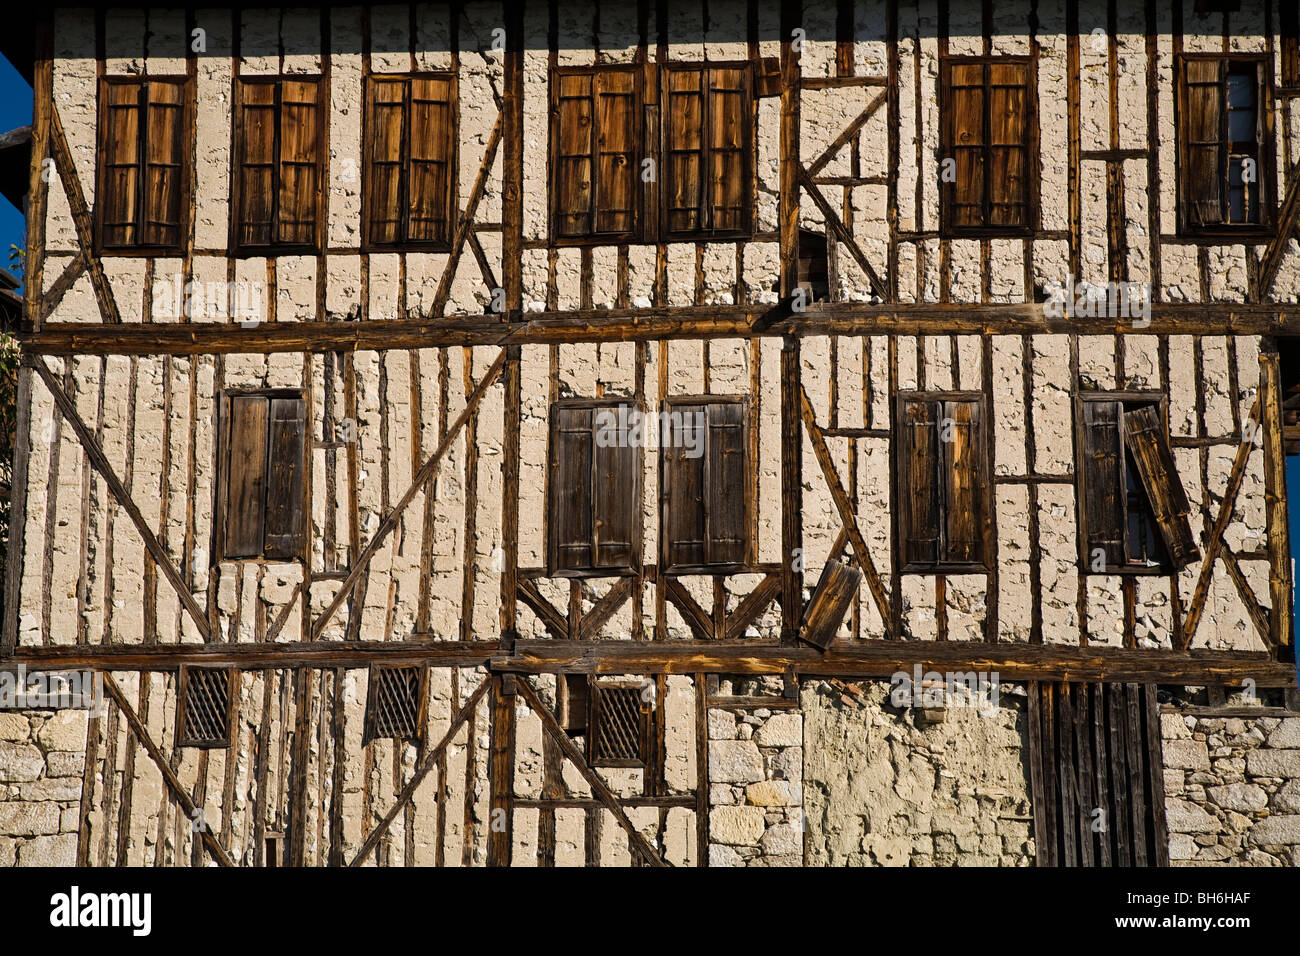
x=791 y=439
x=1275 y=499
x=501 y=771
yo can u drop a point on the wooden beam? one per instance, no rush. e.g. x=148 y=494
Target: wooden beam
x=604 y=609
x=100 y=462
x=700 y=623
x=826 y=155
x=764 y=593
x=1275 y=502
x=443 y=291
x=1287 y=219
x=835 y=224
x=555 y=622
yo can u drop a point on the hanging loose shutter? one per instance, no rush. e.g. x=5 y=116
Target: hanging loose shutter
x=685 y=150
x=919 y=491
x=683 y=508
x=255 y=112
x=431 y=152
x=966 y=143
x=574 y=186
x=1204 y=163
x=963 y=476
x=384 y=177
x=617 y=468
x=121 y=163
x=615 y=151
x=299 y=162
x=1103 y=480
x=725 y=480
x=285 y=517
x=729 y=124
x=1144 y=437
x=246 y=476
x=830 y=601
x=163 y=170
x=570 y=519
x=1008 y=165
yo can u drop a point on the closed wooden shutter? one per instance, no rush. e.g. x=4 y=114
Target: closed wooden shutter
x=285 y=534
x=1103 y=482
x=1204 y=163
x=685 y=516
x=684 y=138
x=966 y=143
x=384 y=183
x=574 y=188
x=299 y=162
x=1008 y=154
x=729 y=126
x=164 y=172
x=617 y=506
x=570 y=519
x=246 y=476
x=431 y=150
x=963 y=474
x=725 y=484
x=918 y=446
x=120 y=156
x=256 y=163
x=708 y=136
x=616 y=149
x=1290 y=35
x=1145 y=439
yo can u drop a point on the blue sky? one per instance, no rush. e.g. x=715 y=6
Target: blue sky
x=16 y=110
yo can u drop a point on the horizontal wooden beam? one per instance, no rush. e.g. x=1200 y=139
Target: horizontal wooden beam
x=684 y=322
x=1011 y=662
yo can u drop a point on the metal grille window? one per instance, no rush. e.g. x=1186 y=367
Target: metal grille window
x=620 y=726
x=204 y=719
x=395 y=703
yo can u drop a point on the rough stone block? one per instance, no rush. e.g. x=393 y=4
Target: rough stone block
x=1186 y=755
x=1286 y=735
x=1273 y=763
x=783 y=730
x=1276 y=830
x=20 y=762
x=49 y=851
x=66 y=730
x=29 y=819
x=1245 y=797
x=736 y=826
x=1184 y=817
x=734 y=761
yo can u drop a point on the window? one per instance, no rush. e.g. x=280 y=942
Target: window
x=707 y=148
x=704 y=470
x=262 y=476
x=1134 y=512
x=989 y=136
x=942 y=480
x=704 y=181
x=594 y=494
x=596 y=130
x=410 y=160
x=1290 y=34
x=144 y=170
x=395 y=703
x=621 y=729
x=1225 y=169
x=204 y=718
x=278 y=166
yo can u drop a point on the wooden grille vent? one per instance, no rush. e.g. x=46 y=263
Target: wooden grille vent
x=206 y=697
x=394 y=704
x=618 y=726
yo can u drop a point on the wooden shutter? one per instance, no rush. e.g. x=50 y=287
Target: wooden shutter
x=918 y=448
x=574 y=188
x=617 y=506
x=255 y=165
x=245 y=515
x=963 y=476
x=570 y=519
x=120 y=155
x=384 y=175
x=684 y=515
x=684 y=139
x=1290 y=46
x=729 y=137
x=299 y=162
x=965 y=146
x=1145 y=439
x=830 y=601
x=164 y=171
x=431 y=150
x=1103 y=482
x=1008 y=152
x=1204 y=163
x=616 y=161
x=725 y=482
x=285 y=534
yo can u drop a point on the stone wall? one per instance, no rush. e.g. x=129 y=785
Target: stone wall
x=1232 y=789
x=899 y=787
x=41 y=759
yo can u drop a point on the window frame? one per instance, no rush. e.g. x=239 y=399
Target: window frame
x=636 y=545
x=452 y=197
x=186 y=187
x=1082 y=522
x=274 y=248
x=1264 y=148
x=221 y=489
x=1033 y=153
x=749 y=150
x=983 y=479
x=748 y=535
